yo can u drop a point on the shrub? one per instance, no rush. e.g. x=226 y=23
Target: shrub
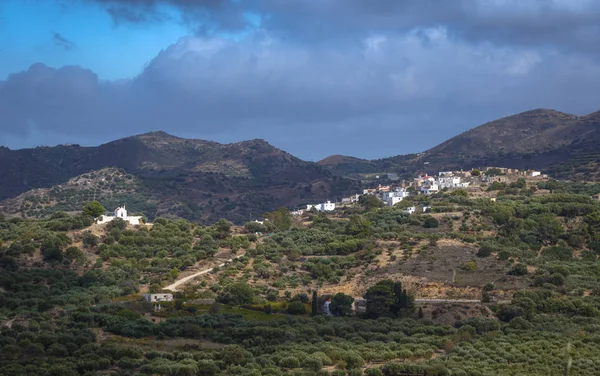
x=484 y=251
x=373 y=372
x=296 y=307
x=268 y=309
x=312 y=363
x=518 y=269
x=430 y=222
x=470 y=266
x=289 y=362
x=238 y=294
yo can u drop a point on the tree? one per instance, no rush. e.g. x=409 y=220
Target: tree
x=234 y=354
x=475 y=172
x=238 y=294
x=89 y=240
x=315 y=303
x=358 y=226
x=74 y=254
x=281 y=219
x=518 y=269
x=51 y=249
x=552 y=185
x=93 y=209
x=254 y=227
x=341 y=304
x=370 y=202
x=430 y=222
x=493 y=172
x=296 y=307
x=222 y=228
x=387 y=298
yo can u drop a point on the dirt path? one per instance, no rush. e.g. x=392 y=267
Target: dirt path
x=184 y=280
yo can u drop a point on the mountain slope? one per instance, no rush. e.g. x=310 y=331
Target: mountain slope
x=544 y=139
x=196 y=179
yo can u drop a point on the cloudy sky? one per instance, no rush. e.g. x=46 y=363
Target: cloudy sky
x=368 y=78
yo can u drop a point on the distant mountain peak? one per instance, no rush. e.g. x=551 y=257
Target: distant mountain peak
x=335 y=160
x=156 y=135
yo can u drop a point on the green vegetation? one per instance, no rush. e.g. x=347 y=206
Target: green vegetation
x=70 y=293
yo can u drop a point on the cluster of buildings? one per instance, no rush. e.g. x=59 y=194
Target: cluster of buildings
x=427 y=185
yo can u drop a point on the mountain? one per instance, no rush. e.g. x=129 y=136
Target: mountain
x=196 y=179
x=563 y=144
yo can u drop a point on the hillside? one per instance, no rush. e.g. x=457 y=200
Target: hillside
x=564 y=145
x=473 y=287
x=195 y=179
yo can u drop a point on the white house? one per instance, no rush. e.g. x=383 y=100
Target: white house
x=392 y=198
x=534 y=173
x=429 y=188
x=155 y=298
x=326 y=206
x=445 y=173
x=410 y=210
x=120 y=212
x=449 y=182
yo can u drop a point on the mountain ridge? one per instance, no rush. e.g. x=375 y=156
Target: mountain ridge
x=197 y=179
x=541 y=138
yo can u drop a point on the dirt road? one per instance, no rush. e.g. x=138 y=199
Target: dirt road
x=184 y=280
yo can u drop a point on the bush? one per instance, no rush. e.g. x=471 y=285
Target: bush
x=238 y=294
x=484 y=251
x=268 y=309
x=312 y=363
x=373 y=372
x=289 y=362
x=430 y=222
x=518 y=269
x=296 y=307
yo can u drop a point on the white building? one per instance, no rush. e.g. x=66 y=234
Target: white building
x=449 y=182
x=155 y=298
x=120 y=213
x=326 y=206
x=534 y=173
x=445 y=173
x=429 y=188
x=392 y=198
x=410 y=210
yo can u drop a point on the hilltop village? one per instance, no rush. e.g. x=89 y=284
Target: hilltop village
x=394 y=191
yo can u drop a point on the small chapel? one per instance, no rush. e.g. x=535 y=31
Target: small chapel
x=121 y=212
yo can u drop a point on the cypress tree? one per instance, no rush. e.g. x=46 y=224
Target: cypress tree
x=315 y=303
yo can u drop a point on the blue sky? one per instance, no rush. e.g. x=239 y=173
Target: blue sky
x=367 y=78
x=113 y=51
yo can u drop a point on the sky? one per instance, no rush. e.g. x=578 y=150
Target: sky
x=366 y=78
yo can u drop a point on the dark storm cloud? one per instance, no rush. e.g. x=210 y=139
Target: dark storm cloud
x=572 y=25
x=376 y=96
x=368 y=78
x=63 y=42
